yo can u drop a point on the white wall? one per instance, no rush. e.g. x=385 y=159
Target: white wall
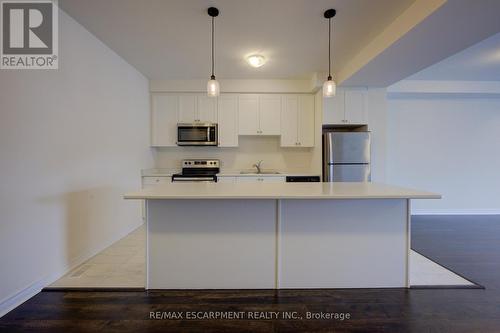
x=376 y=109
x=251 y=149
x=72 y=141
x=450 y=145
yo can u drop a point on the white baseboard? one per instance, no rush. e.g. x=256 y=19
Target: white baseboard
x=455 y=211
x=19 y=297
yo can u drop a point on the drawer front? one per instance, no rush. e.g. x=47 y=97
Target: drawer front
x=261 y=179
x=226 y=179
x=155 y=180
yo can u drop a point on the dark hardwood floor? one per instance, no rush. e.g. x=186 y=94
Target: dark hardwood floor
x=469 y=245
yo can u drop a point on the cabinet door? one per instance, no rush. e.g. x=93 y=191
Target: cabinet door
x=248 y=114
x=248 y=179
x=228 y=120
x=305 y=126
x=260 y=179
x=187 y=108
x=289 y=121
x=270 y=114
x=164 y=108
x=333 y=109
x=206 y=110
x=226 y=179
x=148 y=182
x=355 y=112
x=274 y=179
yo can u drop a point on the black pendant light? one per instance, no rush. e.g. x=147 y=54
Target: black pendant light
x=213 y=88
x=329 y=87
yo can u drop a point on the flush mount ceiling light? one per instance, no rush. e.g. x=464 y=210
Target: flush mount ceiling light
x=329 y=87
x=213 y=88
x=256 y=60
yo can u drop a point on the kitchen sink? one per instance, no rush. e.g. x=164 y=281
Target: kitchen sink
x=263 y=172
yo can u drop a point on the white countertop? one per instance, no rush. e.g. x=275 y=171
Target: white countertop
x=279 y=191
x=224 y=173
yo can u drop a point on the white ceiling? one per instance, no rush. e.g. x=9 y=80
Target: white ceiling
x=480 y=62
x=170 y=39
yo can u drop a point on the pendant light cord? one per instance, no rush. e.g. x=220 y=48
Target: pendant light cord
x=329 y=48
x=213 y=64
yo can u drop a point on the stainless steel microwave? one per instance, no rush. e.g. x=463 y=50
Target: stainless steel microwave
x=197 y=134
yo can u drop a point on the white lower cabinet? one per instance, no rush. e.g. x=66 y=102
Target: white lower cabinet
x=260 y=179
x=226 y=179
x=149 y=181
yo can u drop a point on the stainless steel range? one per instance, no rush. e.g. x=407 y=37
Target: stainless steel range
x=198 y=170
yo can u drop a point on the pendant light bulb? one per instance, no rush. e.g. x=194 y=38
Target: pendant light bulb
x=329 y=87
x=213 y=87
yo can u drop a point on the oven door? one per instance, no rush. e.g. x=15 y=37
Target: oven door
x=190 y=179
x=197 y=134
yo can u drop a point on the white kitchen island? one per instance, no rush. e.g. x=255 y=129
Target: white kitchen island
x=277 y=235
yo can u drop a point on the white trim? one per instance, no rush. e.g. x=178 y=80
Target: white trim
x=408 y=241
x=444 y=89
x=304 y=86
x=19 y=297
x=278 y=246
x=12 y=301
x=485 y=211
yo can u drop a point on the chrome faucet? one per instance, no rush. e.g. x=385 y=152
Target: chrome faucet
x=257 y=166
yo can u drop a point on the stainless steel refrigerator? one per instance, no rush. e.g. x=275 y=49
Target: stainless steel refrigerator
x=346 y=157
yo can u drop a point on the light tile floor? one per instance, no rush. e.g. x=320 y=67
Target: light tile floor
x=122 y=265
x=425 y=272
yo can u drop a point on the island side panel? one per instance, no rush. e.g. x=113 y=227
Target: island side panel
x=207 y=244
x=343 y=243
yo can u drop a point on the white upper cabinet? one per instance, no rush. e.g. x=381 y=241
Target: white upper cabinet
x=164 y=109
x=333 y=108
x=206 y=109
x=259 y=114
x=289 y=115
x=297 y=121
x=228 y=120
x=197 y=108
x=289 y=121
x=306 y=121
x=248 y=109
x=347 y=107
x=270 y=114
x=187 y=108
